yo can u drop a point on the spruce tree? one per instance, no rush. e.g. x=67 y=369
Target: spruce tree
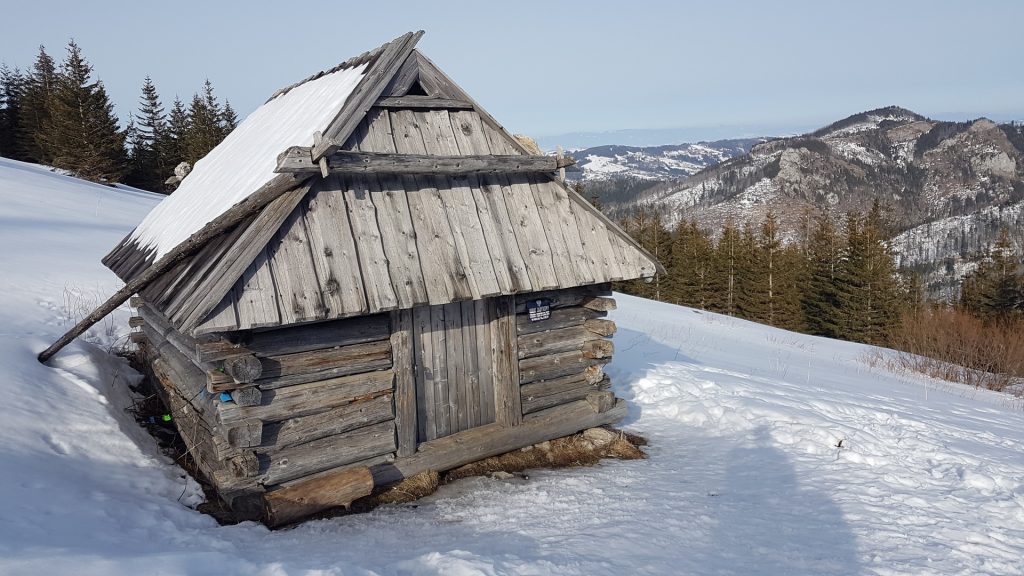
x=177 y=135
x=820 y=297
x=205 y=124
x=726 y=270
x=149 y=142
x=82 y=132
x=690 y=267
x=995 y=289
x=37 y=102
x=12 y=93
x=228 y=119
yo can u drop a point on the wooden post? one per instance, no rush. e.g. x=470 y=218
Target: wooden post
x=561 y=167
x=508 y=408
x=405 y=381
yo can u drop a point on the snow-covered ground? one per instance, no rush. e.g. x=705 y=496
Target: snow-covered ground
x=771 y=452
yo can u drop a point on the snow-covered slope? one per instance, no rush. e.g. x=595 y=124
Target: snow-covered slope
x=654 y=163
x=771 y=452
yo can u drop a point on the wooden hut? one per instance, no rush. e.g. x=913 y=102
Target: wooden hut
x=409 y=290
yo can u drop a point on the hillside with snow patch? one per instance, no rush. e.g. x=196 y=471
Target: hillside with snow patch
x=771 y=452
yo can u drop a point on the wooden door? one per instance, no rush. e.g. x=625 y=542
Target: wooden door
x=455 y=382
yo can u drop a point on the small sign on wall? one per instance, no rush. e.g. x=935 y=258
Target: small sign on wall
x=539 y=309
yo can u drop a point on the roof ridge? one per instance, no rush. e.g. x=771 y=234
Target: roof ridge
x=366 y=57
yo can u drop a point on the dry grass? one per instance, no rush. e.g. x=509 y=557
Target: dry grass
x=956 y=346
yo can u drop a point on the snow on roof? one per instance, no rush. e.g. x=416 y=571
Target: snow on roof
x=246 y=159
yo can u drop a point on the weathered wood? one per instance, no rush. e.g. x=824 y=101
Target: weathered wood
x=187 y=421
x=457 y=394
x=243 y=369
x=581 y=391
x=471 y=336
x=246 y=435
x=552 y=341
x=311 y=398
x=590 y=376
x=601 y=401
x=560 y=318
x=244 y=465
x=339 y=420
x=555 y=365
x=485 y=311
x=595 y=240
x=529 y=231
x=507 y=402
x=366 y=93
x=399 y=239
x=296 y=160
x=333 y=246
x=135 y=301
x=403 y=365
x=330 y=452
x=255 y=303
x=598 y=303
x=558 y=240
x=135 y=322
x=600 y=326
x=493 y=439
x=297 y=338
x=442 y=409
x=287 y=505
x=298 y=290
x=302 y=367
x=138 y=337
x=598 y=349
x=250 y=396
x=244 y=209
x=373 y=263
x=422 y=102
x=562 y=298
x=424 y=358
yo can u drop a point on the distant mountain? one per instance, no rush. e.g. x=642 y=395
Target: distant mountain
x=950 y=185
x=655 y=162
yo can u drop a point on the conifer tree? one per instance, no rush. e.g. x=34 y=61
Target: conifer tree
x=149 y=142
x=995 y=289
x=12 y=93
x=81 y=132
x=690 y=266
x=177 y=134
x=869 y=295
x=205 y=124
x=821 y=298
x=726 y=270
x=39 y=87
x=229 y=119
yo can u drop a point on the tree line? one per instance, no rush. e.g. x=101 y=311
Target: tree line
x=837 y=279
x=61 y=116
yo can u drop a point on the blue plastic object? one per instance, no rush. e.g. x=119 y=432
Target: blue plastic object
x=225 y=397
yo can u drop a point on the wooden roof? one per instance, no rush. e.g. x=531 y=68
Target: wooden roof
x=358 y=241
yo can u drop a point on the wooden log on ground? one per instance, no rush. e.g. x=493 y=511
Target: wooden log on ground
x=561 y=318
x=302 y=367
x=600 y=326
x=562 y=298
x=243 y=369
x=289 y=504
x=541 y=400
x=554 y=341
x=310 y=398
x=493 y=439
x=555 y=366
x=330 y=452
x=296 y=338
x=337 y=421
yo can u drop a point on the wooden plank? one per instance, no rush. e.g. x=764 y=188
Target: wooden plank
x=555 y=366
x=296 y=160
x=533 y=403
x=203 y=264
x=223 y=318
x=501 y=235
x=595 y=240
x=507 y=401
x=425 y=388
x=399 y=240
x=301 y=367
x=339 y=420
x=405 y=381
x=310 y=398
x=291 y=263
x=333 y=249
x=257 y=297
x=417 y=102
x=457 y=385
x=470 y=341
x=293 y=503
x=442 y=404
x=325 y=453
x=552 y=341
x=243 y=252
x=366 y=93
x=550 y=194
x=403 y=80
x=493 y=439
x=530 y=235
x=562 y=260
x=560 y=318
x=485 y=312
x=293 y=339
x=373 y=263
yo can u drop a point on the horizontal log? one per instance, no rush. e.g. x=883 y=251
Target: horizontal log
x=553 y=341
x=311 y=398
x=292 y=503
x=564 y=297
x=589 y=376
x=244 y=465
x=330 y=452
x=423 y=102
x=601 y=401
x=600 y=326
x=493 y=439
x=247 y=434
x=298 y=160
x=303 y=367
x=599 y=303
x=191 y=428
x=561 y=318
x=555 y=366
x=297 y=338
x=336 y=421
x=598 y=349
x=243 y=369
x=580 y=392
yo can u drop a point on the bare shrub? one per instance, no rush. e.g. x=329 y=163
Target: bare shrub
x=954 y=345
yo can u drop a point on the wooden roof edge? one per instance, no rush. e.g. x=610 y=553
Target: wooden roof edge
x=366 y=57
x=611 y=225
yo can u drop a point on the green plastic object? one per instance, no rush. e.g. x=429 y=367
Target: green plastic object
x=166 y=417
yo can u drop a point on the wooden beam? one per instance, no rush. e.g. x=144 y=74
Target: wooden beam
x=297 y=160
x=302 y=499
x=403 y=365
x=365 y=94
x=423 y=102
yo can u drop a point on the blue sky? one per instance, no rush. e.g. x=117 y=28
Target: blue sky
x=549 y=68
